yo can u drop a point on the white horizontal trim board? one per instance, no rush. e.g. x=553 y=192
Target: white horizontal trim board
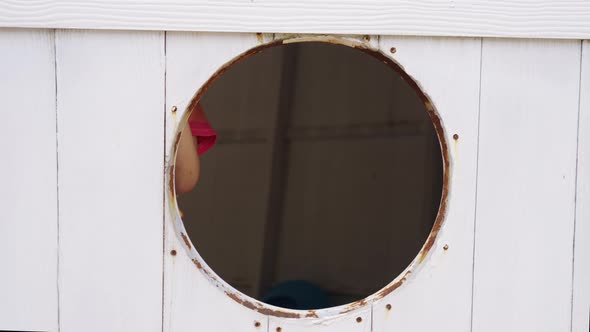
x=485 y=18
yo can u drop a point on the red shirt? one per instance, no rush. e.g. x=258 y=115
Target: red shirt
x=200 y=128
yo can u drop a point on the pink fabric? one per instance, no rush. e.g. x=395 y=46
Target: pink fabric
x=206 y=136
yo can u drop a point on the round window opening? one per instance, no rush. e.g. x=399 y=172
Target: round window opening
x=325 y=178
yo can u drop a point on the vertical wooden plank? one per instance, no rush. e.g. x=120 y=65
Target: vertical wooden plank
x=526 y=179
x=111 y=147
x=192 y=300
x=581 y=287
x=28 y=173
x=436 y=295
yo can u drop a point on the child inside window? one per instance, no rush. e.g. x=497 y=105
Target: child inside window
x=193 y=143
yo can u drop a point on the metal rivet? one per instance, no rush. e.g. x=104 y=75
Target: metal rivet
x=393 y=50
x=279 y=329
x=173 y=252
x=359 y=319
x=388 y=306
x=174 y=109
x=446 y=247
x=257 y=323
x=455 y=137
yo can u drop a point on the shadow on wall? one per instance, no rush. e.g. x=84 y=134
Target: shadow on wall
x=326 y=179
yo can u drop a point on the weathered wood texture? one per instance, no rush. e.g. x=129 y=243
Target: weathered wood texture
x=530 y=115
x=28 y=177
x=440 y=287
x=357 y=321
x=526 y=185
x=110 y=99
x=581 y=290
x=517 y=18
x=191 y=301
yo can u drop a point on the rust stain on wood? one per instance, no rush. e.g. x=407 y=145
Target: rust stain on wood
x=354 y=305
x=311 y=314
x=172 y=170
x=197 y=264
x=186 y=240
x=259 y=307
x=390 y=288
x=200 y=267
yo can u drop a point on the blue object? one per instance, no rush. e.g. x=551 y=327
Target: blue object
x=297 y=294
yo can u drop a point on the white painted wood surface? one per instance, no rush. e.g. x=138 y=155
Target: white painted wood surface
x=28 y=177
x=356 y=321
x=110 y=99
x=191 y=301
x=526 y=185
x=440 y=287
x=114 y=99
x=516 y=18
x=581 y=290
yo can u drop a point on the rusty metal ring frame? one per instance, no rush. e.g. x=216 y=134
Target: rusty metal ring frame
x=267 y=309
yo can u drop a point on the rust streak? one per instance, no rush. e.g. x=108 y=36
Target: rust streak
x=171 y=182
x=354 y=305
x=311 y=314
x=197 y=264
x=173 y=168
x=186 y=240
x=387 y=290
x=436 y=121
x=261 y=309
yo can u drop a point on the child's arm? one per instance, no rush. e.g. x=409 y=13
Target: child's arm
x=187 y=169
x=197 y=138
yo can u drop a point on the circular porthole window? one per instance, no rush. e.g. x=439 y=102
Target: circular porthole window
x=325 y=178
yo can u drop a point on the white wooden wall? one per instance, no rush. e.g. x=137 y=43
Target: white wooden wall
x=28 y=182
x=87 y=227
